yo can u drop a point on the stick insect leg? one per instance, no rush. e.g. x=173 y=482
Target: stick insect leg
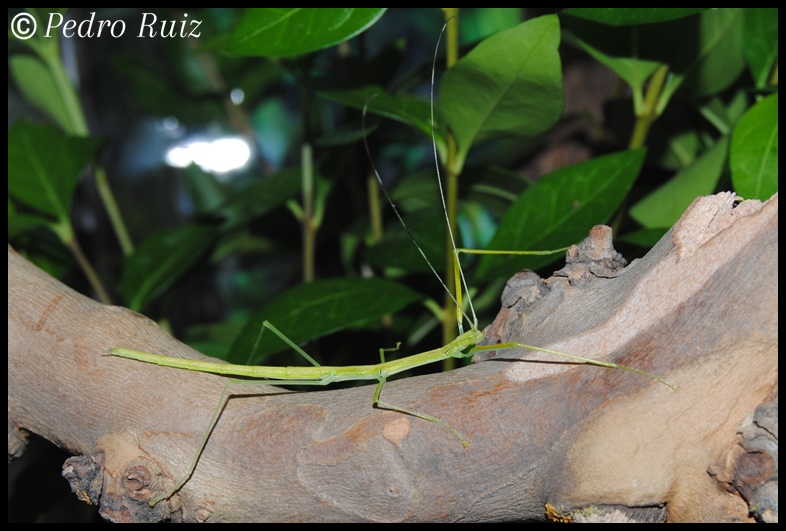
x=225 y=396
x=590 y=361
x=216 y=414
x=289 y=342
x=384 y=405
x=391 y=349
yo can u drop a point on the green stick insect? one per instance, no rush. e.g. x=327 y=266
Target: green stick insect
x=464 y=346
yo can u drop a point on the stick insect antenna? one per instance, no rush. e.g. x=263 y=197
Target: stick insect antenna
x=395 y=210
x=463 y=285
x=474 y=320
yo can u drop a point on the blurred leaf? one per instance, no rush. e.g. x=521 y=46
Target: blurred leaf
x=494 y=187
x=44 y=166
x=663 y=207
x=616 y=16
x=633 y=52
x=317 y=309
x=416 y=191
x=718 y=52
x=344 y=137
x=508 y=85
x=716 y=112
x=238 y=243
x=162 y=92
x=35 y=81
x=163 y=259
x=559 y=210
x=479 y=22
x=397 y=250
x=19 y=224
x=683 y=150
x=753 y=158
x=760 y=42
x=259 y=198
x=284 y=32
x=407 y=109
x=631 y=69
x=212 y=339
x=703 y=52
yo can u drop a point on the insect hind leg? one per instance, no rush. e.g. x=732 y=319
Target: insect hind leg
x=377 y=403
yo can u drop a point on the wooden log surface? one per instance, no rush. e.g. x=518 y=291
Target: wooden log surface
x=568 y=440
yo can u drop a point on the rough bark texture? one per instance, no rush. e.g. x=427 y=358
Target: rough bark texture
x=547 y=437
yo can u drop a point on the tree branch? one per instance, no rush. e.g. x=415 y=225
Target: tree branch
x=700 y=310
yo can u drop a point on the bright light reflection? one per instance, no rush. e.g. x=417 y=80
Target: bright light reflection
x=178 y=157
x=170 y=123
x=237 y=96
x=219 y=156
x=228 y=154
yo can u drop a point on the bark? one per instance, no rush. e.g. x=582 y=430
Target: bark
x=546 y=437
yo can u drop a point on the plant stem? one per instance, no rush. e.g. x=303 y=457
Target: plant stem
x=451 y=198
x=121 y=232
x=374 y=210
x=49 y=52
x=66 y=234
x=648 y=114
x=309 y=227
x=51 y=57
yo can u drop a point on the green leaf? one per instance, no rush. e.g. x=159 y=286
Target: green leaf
x=35 y=81
x=753 y=158
x=212 y=339
x=559 y=210
x=397 y=249
x=704 y=52
x=317 y=309
x=633 y=70
x=44 y=166
x=615 y=16
x=720 y=113
x=760 y=42
x=19 y=224
x=407 y=109
x=663 y=207
x=260 y=198
x=718 y=53
x=162 y=92
x=480 y=22
x=162 y=260
x=284 y=32
x=508 y=85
